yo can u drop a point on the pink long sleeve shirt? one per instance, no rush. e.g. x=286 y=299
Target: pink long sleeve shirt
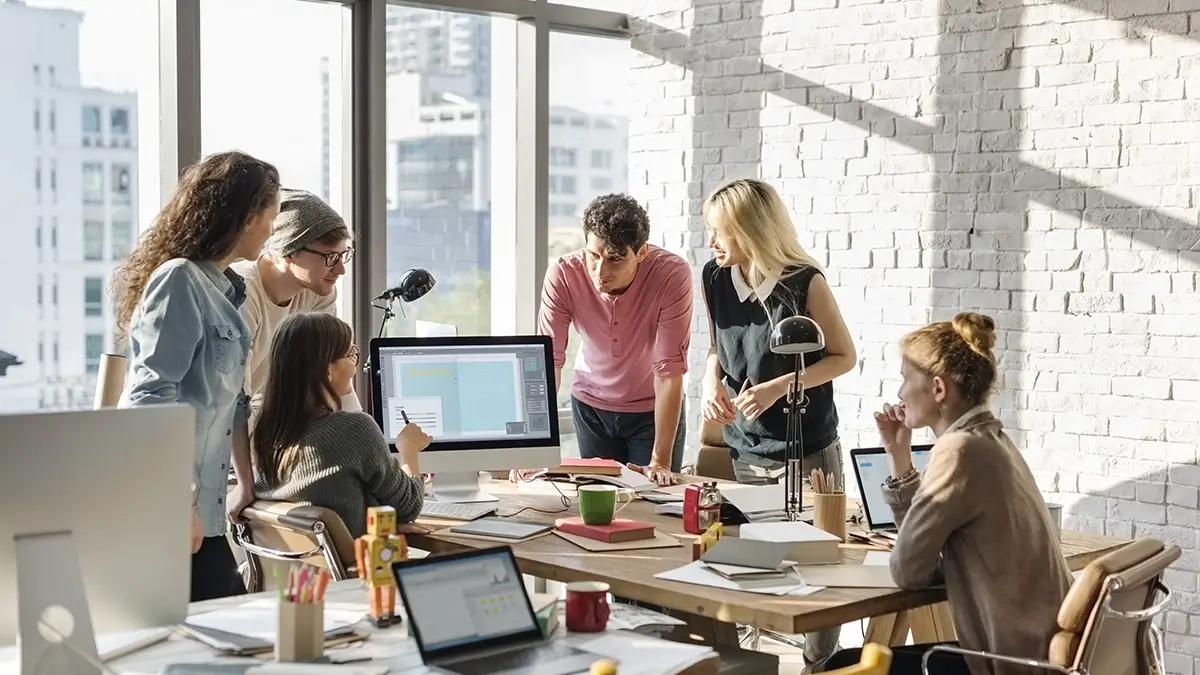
x=627 y=339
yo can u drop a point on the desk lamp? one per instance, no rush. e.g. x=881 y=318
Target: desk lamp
x=797 y=336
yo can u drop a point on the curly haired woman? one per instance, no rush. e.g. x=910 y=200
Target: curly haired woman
x=177 y=301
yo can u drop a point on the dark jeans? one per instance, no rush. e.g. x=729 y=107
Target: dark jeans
x=625 y=437
x=214 y=571
x=906 y=660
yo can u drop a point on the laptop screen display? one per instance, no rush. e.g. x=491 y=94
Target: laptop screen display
x=872 y=469
x=462 y=602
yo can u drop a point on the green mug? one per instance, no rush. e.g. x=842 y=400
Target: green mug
x=598 y=503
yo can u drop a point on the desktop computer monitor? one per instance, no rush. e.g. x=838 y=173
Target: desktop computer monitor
x=487 y=402
x=96 y=527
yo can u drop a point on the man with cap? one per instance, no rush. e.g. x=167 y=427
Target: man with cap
x=297 y=272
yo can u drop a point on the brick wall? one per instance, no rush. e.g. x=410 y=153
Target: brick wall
x=1031 y=159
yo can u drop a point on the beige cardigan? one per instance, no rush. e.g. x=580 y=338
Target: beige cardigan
x=977 y=519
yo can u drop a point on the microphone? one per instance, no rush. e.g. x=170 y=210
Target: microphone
x=414 y=284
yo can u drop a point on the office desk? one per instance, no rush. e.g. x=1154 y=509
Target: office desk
x=392 y=647
x=712 y=612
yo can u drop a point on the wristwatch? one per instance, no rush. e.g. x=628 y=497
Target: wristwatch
x=893 y=483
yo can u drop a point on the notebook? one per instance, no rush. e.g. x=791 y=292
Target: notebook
x=501 y=528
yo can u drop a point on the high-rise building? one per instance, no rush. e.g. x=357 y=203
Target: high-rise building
x=68 y=186
x=433 y=42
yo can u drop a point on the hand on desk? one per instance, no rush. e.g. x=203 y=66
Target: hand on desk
x=656 y=472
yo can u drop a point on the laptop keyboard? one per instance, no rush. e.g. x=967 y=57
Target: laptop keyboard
x=516 y=659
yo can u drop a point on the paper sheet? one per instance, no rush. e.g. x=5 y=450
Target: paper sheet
x=630 y=617
x=694 y=573
x=847 y=576
x=881 y=558
x=645 y=656
x=259 y=620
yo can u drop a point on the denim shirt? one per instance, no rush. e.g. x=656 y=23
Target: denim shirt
x=188 y=344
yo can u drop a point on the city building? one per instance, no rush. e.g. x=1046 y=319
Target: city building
x=68 y=183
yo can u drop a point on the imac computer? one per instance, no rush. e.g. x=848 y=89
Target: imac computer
x=487 y=402
x=96 y=532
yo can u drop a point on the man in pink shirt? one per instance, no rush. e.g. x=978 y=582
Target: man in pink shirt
x=631 y=304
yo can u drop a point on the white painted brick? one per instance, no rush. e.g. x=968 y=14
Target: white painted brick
x=1037 y=161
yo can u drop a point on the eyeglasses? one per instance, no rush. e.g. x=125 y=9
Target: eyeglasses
x=353 y=355
x=333 y=258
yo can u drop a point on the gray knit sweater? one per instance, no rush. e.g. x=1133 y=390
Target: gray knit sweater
x=345 y=466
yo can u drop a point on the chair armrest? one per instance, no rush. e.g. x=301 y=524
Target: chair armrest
x=1142 y=614
x=240 y=537
x=1032 y=663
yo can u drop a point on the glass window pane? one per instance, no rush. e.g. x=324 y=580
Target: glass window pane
x=290 y=111
x=122 y=239
x=93 y=349
x=93 y=240
x=122 y=184
x=439 y=133
x=589 y=99
x=91 y=66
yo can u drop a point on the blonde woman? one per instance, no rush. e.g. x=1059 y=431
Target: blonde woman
x=760 y=275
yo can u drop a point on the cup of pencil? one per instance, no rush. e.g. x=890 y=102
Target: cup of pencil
x=301 y=630
x=829 y=503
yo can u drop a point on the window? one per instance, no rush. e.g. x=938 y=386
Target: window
x=562 y=185
x=578 y=67
x=91 y=120
x=54 y=176
x=440 y=215
x=602 y=159
x=93 y=296
x=564 y=157
x=119 y=121
x=121 y=183
x=122 y=239
x=37 y=115
x=37 y=175
x=93 y=183
x=93 y=349
x=93 y=240
x=37 y=74
x=53 y=117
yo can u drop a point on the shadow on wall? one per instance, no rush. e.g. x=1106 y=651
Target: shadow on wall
x=999 y=187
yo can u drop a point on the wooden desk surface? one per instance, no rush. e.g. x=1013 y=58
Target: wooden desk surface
x=631 y=573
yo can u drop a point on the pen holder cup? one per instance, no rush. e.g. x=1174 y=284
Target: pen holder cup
x=829 y=513
x=301 y=634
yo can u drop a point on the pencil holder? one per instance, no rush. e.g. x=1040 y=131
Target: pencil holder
x=829 y=513
x=301 y=634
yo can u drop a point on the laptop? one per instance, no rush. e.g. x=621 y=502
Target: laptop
x=871 y=469
x=470 y=614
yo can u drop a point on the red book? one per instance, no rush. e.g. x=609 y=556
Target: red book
x=588 y=467
x=619 y=530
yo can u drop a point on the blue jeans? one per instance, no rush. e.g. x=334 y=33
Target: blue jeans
x=625 y=437
x=818 y=645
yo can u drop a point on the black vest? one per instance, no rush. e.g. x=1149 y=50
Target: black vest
x=743 y=339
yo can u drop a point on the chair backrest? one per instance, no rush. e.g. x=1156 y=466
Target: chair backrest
x=712 y=434
x=283 y=531
x=875 y=659
x=1105 y=620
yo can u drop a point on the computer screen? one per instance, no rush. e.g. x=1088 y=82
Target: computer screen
x=471 y=390
x=460 y=602
x=872 y=470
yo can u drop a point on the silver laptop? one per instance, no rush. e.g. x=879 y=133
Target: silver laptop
x=871 y=469
x=470 y=614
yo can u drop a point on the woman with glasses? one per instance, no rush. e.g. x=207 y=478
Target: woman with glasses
x=296 y=272
x=307 y=449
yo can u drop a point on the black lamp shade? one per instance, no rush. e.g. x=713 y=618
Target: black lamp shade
x=415 y=283
x=797 y=335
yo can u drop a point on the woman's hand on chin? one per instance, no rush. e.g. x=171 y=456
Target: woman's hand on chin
x=895 y=436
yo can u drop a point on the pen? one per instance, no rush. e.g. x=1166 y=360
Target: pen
x=405 y=416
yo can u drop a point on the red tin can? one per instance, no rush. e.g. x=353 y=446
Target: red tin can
x=701 y=507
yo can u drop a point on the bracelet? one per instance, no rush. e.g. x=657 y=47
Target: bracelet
x=893 y=483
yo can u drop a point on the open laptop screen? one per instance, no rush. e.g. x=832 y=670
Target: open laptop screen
x=466 y=600
x=871 y=469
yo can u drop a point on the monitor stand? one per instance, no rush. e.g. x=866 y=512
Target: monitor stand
x=458 y=488
x=54 y=625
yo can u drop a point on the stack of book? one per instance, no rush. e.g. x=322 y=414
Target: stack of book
x=619 y=531
x=808 y=545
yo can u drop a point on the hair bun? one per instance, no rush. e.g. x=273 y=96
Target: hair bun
x=977 y=330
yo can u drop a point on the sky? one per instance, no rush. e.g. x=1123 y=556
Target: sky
x=261 y=70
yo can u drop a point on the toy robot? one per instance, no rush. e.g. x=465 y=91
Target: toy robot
x=375 y=552
x=711 y=536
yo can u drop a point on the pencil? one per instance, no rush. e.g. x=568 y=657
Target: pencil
x=322 y=582
x=404 y=415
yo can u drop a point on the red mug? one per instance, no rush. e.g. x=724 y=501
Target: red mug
x=587 y=606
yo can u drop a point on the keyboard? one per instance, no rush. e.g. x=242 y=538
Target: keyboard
x=454 y=511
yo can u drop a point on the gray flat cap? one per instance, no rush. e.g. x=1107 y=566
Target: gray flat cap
x=303 y=218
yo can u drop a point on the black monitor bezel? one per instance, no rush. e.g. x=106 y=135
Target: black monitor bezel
x=377 y=408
